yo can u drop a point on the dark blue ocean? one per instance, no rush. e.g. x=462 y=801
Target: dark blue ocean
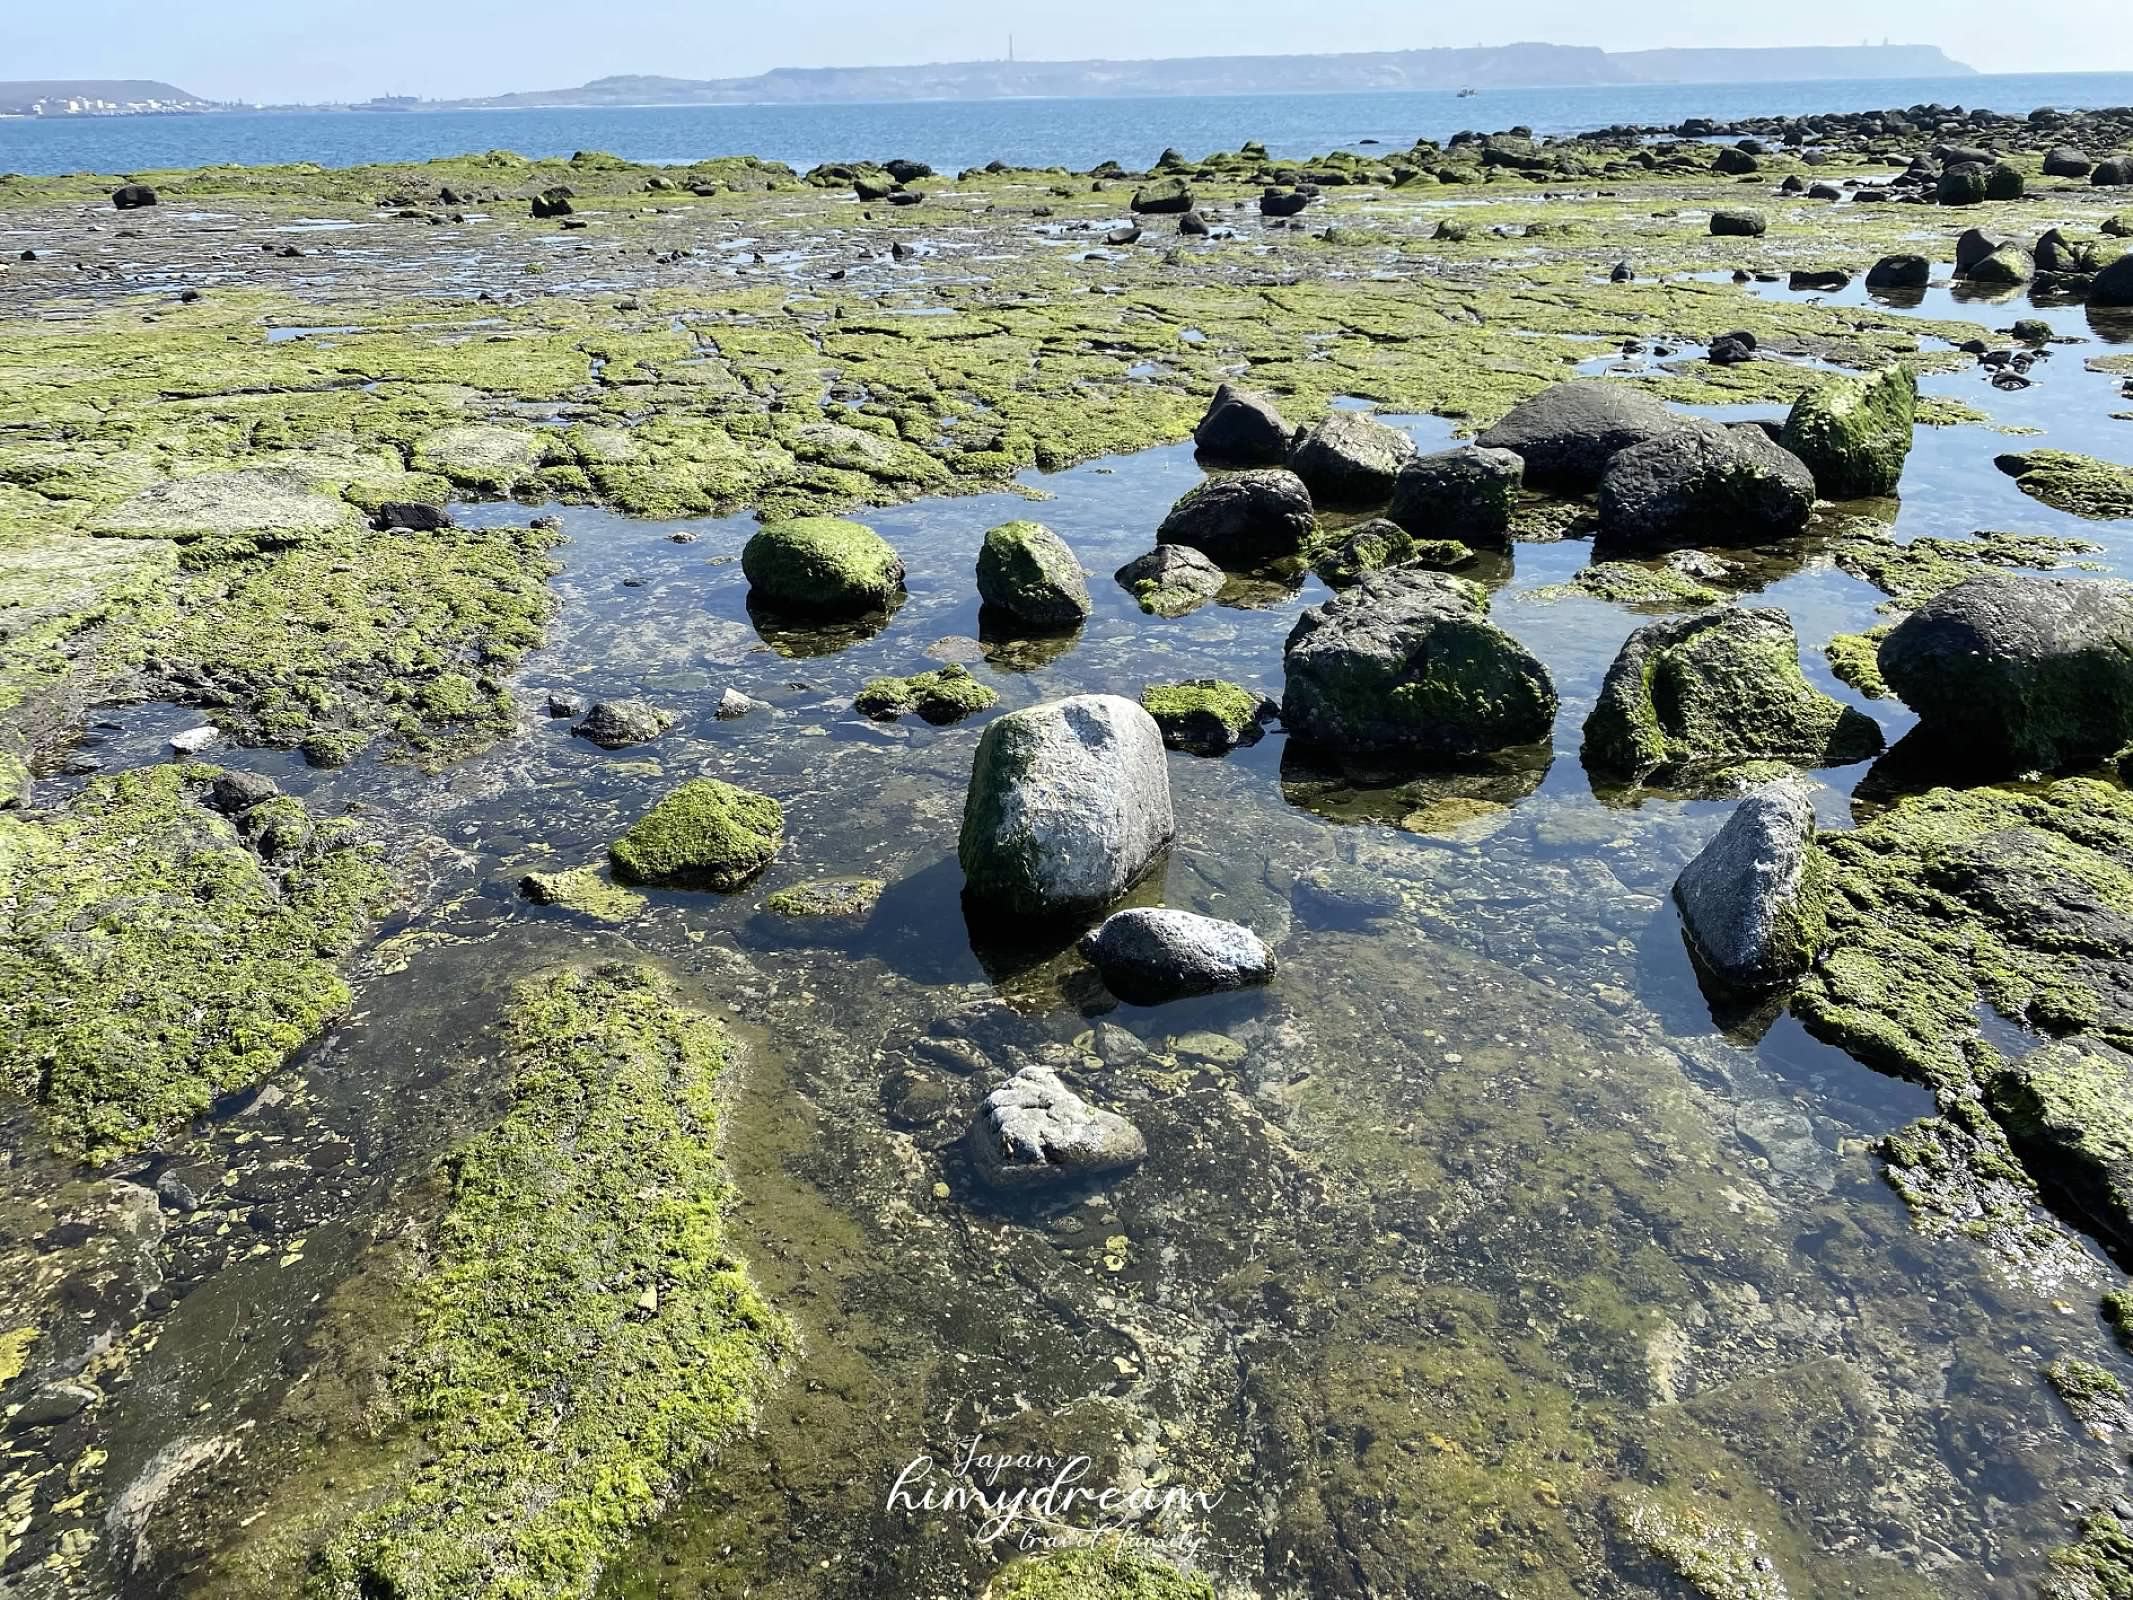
x=956 y=134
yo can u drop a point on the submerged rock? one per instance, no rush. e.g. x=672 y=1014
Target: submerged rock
x=1206 y=715
x=821 y=898
x=1755 y=901
x=1171 y=580
x=583 y=890
x=1242 y=518
x=705 y=834
x=1069 y=804
x=946 y=695
x=2068 y=1110
x=1351 y=459
x=1148 y=955
x=1467 y=494
x=1853 y=434
x=1704 y=484
x=2020 y=671
x=614 y=724
x=1722 y=685
x=1567 y=435
x=1243 y=429
x=822 y=564
x=1026 y=571
x=1034 y=1131
x=1407 y=662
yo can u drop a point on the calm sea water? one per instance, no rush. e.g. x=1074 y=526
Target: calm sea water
x=955 y=134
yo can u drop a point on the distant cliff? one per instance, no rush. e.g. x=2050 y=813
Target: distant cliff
x=1491 y=67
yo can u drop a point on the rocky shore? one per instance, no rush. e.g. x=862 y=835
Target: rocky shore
x=1319 y=832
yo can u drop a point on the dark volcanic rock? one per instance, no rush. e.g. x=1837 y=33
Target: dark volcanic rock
x=1243 y=429
x=1465 y=493
x=1703 y=484
x=1900 y=272
x=410 y=516
x=1351 y=459
x=2020 y=671
x=1240 y=518
x=1408 y=662
x=133 y=196
x=1148 y=955
x=1567 y=435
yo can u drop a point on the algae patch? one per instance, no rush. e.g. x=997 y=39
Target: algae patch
x=585 y=1336
x=154 y=960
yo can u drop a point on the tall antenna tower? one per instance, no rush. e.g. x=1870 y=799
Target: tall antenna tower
x=1010 y=47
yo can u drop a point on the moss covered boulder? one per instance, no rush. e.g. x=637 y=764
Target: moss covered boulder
x=1854 y=433
x=2067 y=1108
x=1407 y=662
x=1714 y=688
x=1171 y=580
x=2065 y=481
x=1205 y=715
x=2018 y=671
x=1351 y=459
x=947 y=694
x=1027 y=573
x=703 y=835
x=160 y=947
x=823 y=565
x=584 y=1335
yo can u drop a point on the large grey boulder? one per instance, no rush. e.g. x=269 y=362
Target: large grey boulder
x=2065 y=161
x=1351 y=460
x=1069 y=803
x=1703 y=484
x=1755 y=901
x=2022 y=671
x=1566 y=435
x=1033 y=1131
x=1242 y=518
x=1468 y=493
x=1407 y=662
x=1243 y=429
x=1149 y=955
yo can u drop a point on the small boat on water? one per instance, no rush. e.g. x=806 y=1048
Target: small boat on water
x=1466 y=94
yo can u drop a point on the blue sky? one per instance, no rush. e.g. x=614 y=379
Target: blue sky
x=352 y=49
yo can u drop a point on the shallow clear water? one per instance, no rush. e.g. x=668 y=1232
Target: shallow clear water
x=955 y=134
x=1478 y=1181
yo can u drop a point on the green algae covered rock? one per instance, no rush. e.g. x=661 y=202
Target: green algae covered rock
x=1163 y=197
x=583 y=890
x=1718 y=687
x=1714 y=1556
x=583 y=1334
x=2068 y=1110
x=2101 y=490
x=1026 y=571
x=1098 y=1572
x=2093 y=1395
x=1853 y=433
x=705 y=834
x=826 y=897
x=155 y=953
x=1340 y=560
x=1407 y=662
x=1633 y=583
x=2019 y=897
x=1206 y=715
x=822 y=564
x=946 y=695
x=1855 y=659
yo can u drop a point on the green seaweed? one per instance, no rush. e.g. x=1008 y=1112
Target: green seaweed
x=705 y=834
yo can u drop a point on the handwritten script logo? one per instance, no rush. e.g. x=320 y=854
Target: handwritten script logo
x=1032 y=1498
